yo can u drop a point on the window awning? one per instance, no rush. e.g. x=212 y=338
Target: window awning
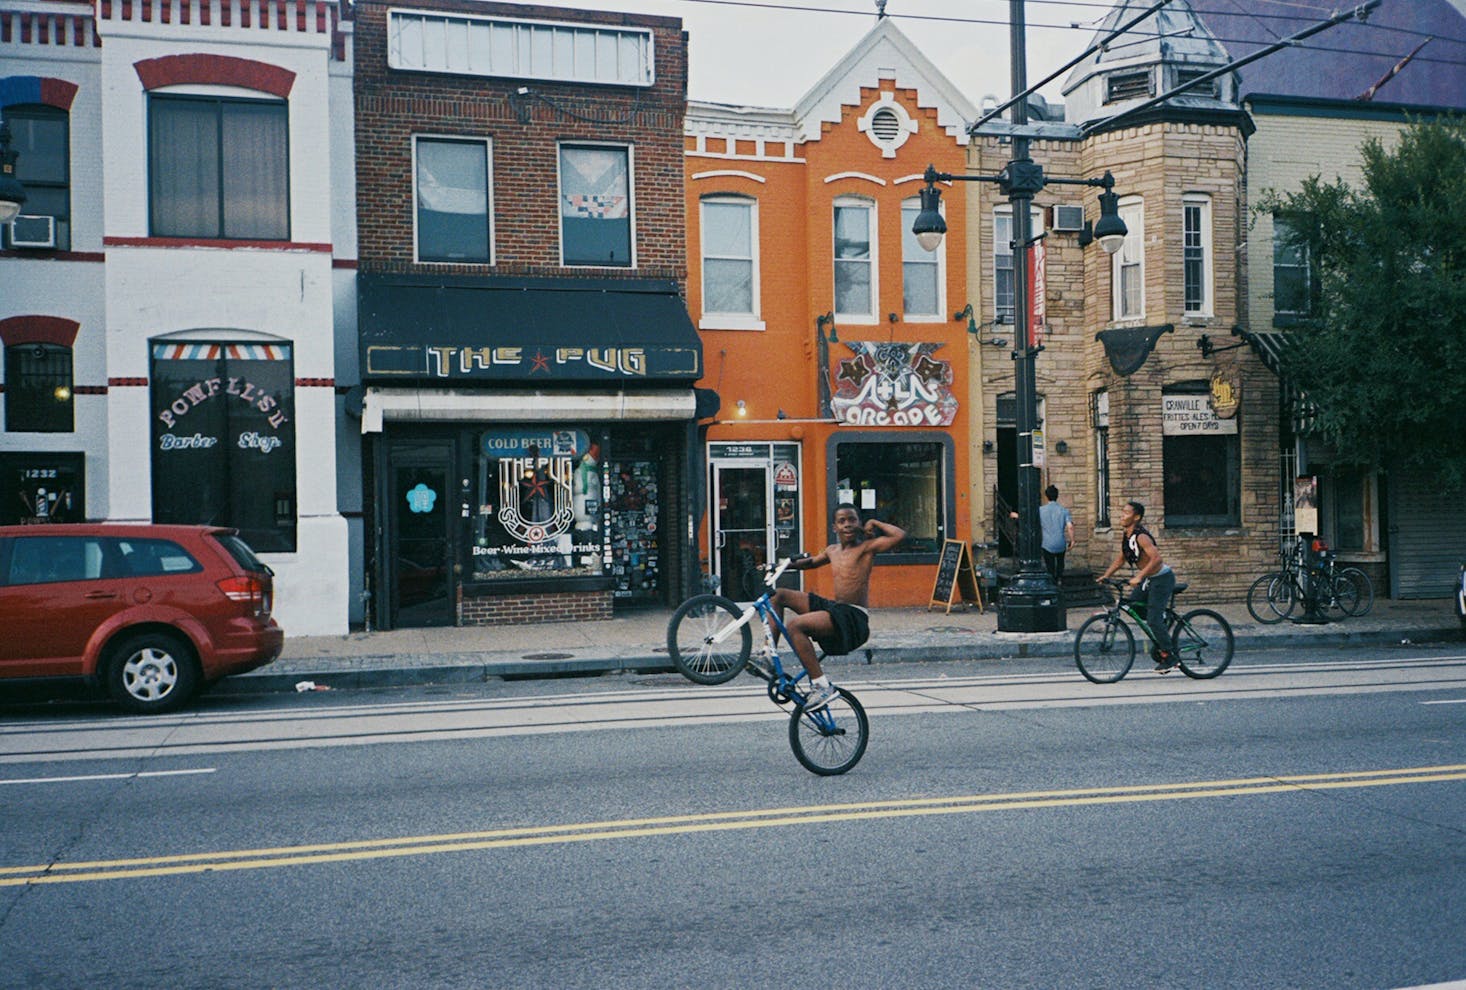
x=529 y=331
x=425 y=405
x=1270 y=346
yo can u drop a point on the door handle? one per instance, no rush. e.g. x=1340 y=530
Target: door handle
x=100 y=594
x=722 y=540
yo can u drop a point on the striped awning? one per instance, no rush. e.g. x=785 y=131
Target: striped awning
x=1270 y=346
x=204 y=351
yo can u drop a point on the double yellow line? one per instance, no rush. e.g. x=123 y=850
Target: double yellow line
x=425 y=845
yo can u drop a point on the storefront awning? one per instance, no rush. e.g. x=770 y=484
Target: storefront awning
x=537 y=331
x=425 y=405
x=1270 y=346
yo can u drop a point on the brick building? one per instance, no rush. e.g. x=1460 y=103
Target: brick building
x=527 y=360
x=829 y=333
x=168 y=297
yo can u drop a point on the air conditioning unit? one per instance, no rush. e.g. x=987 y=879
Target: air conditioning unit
x=33 y=232
x=1068 y=217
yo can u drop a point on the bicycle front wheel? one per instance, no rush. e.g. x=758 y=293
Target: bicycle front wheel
x=1355 y=591
x=1264 y=598
x=832 y=740
x=1104 y=649
x=1203 y=643
x=691 y=640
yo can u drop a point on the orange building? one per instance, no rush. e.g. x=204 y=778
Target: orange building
x=828 y=333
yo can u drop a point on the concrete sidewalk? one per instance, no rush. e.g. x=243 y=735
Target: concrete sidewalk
x=638 y=642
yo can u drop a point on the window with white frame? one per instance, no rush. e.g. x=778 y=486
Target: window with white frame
x=1197 y=254
x=1003 y=284
x=855 y=259
x=595 y=205
x=218 y=168
x=1101 y=415
x=729 y=226
x=921 y=270
x=1127 y=282
x=452 y=197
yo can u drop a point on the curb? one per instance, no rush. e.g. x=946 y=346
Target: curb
x=408 y=670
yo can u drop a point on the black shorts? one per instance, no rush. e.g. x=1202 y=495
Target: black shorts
x=852 y=626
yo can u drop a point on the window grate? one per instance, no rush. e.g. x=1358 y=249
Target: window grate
x=1128 y=86
x=885 y=125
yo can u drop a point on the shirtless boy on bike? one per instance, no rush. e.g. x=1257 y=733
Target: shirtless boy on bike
x=842 y=625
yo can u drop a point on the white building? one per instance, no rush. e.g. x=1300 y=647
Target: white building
x=171 y=295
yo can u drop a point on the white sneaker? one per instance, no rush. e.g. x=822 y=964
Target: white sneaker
x=819 y=697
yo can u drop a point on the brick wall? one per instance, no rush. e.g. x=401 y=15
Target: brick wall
x=526 y=131
x=518 y=610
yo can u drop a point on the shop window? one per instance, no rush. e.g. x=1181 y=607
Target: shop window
x=904 y=482
x=1127 y=271
x=38 y=395
x=541 y=504
x=595 y=205
x=41 y=137
x=1201 y=458
x=224 y=439
x=1197 y=254
x=451 y=191
x=921 y=270
x=1352 y=495
x=729 y=226
x=42 y=487
x=855 y=273
x=218 y=168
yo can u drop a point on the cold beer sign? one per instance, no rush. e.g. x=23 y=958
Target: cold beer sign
x=1192 y=416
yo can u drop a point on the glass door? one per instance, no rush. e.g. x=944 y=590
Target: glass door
x=420 y=556
x=741 y=526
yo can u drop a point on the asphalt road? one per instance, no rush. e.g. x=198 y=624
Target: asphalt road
x=1295 y=823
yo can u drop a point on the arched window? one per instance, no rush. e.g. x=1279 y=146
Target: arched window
x=921 y=270
x=38 y=388
x=40 y=135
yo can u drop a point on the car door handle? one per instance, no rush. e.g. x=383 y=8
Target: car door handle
x=100 y=594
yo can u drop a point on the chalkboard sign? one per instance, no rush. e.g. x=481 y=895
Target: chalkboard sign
x=955 y=577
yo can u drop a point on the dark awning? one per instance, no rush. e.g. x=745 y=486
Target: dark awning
x=529 y=331
x=1270 y=346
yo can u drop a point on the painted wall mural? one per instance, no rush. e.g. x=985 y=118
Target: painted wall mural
x=893 y=384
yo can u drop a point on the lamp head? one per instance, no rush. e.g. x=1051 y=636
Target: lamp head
x=929 y=225
x=1110 y=230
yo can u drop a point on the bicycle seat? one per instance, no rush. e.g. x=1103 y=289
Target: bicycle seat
x=1180 y=587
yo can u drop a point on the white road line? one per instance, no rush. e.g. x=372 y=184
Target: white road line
x=1453 y=701
x=105 y=776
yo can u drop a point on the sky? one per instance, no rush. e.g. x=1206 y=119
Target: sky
x=769 y=54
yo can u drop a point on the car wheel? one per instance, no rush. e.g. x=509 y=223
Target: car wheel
x=152 y=672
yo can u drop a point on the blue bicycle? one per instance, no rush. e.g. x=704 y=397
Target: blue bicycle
x=710 y=640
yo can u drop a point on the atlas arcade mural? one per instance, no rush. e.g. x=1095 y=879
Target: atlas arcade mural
x=893 y=384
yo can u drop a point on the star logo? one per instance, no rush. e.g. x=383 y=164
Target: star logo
x=929 y=371
x=853 y=371
x=541 y=363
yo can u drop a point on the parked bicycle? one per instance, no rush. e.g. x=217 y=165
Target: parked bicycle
x=710 y=640
x=1104 y=647
x=1277 y=594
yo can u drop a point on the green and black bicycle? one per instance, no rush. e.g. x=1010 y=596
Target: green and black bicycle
x=1104 y=647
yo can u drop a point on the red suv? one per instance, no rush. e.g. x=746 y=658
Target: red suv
x=152 y=613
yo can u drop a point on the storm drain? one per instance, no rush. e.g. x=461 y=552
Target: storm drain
x=548 y=656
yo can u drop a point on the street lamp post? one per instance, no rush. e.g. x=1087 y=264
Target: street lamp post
x=1031 y=601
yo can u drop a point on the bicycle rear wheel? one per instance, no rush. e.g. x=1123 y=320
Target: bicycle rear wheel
x=1355 y=591
x=832 y=740
x=1104 y=649
x=690 y=634
x=1203 y=643
x=1262 y=598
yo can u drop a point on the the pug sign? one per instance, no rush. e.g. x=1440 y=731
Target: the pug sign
x=1192 y=416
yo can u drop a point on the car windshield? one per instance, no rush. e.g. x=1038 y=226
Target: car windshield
x=242 y=554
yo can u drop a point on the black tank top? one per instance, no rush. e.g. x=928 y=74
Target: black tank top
x=1130 y=544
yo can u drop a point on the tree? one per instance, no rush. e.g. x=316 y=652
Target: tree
x=1382 y=357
